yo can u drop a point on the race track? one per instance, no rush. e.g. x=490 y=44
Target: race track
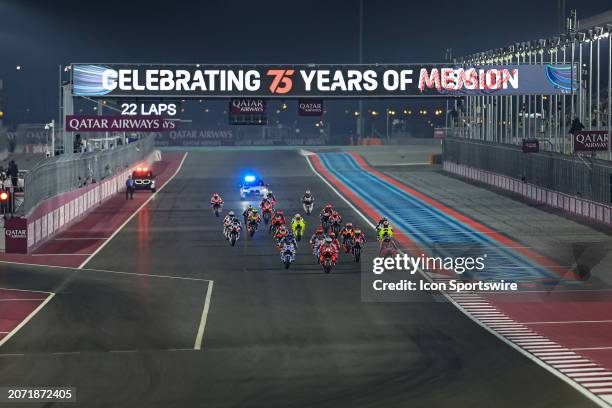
x=125 y=330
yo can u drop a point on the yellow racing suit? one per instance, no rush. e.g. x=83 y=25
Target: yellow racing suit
x=295 y=224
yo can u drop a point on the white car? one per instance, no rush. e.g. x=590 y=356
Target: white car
x=252 y=186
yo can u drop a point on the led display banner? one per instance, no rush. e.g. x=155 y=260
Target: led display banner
x=318 y=81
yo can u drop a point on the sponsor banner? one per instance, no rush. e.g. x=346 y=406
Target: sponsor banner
x=16 y=235
x=310 y=107
x=247 y=106
x=196 y=137
x=93 y=123
x=531 y=146
x=590 y=141
x=319 y=81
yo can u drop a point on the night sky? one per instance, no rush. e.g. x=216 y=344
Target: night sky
x=41 y=35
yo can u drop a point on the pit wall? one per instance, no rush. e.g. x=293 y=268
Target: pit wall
x=591 y=210
x=55 y=214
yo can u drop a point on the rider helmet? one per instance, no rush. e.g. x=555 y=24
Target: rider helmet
x=357 y=231
x=328 y=240
x=254 y=210
x=307 y=193
x=230 y=213
x=279 y=212
x=319 y=230
x=332 y=235
x=386 y=224
x=298 y=217
x=328 y=206
x=349 y=225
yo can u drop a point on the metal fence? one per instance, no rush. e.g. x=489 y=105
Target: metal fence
x=64 y=173
x=509 y=119
x=583 y=177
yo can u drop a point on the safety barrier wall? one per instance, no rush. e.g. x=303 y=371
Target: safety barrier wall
x=53 y=215
x=64 y=173
x=592 y=210
x=583 y=177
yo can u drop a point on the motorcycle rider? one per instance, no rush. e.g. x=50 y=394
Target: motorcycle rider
x=326 y=214
x=228 y=221
x=246 y=213
x=317 y=240
x=307 y=201
x=358 y=236
x=380 y=223
x=332 y=235
x=288 y=239
x=278 y=219
x=328 y=248
x=385 y=230
x=254 y=217
x=298 y=221
x=216 y=200
x=270 y=196
x=387 y=248
x=347 y=234
x=281 y=232
x=335 y=217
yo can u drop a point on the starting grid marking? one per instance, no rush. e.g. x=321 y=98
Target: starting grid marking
x=566 y=361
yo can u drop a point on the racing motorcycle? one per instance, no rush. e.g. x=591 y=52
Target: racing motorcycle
x=315 y=250
x=326 y=223
x=335 y=227
x=288 y=255
x=347 y=244
x=356 y=250
x=252 y=226
x=298 y=233
x=217 y=208
x=267 y=213
x=233 y=233
x=326 y=260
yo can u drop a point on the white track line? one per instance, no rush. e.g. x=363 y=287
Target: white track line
x=178 y=169
x=200 y=335
x=569 y=378
x=26 y=320
x=26 y=290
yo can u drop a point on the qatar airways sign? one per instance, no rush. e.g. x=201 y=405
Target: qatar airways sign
x=590 y=141
x=247 y=106
x=92 y=123
x=318 y=81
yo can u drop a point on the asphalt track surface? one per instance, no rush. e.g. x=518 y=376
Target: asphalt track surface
x=273 y=338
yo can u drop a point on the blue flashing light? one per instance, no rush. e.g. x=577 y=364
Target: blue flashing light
x=249 y=178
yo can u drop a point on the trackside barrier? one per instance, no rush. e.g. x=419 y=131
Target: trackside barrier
x=575 y=205
x=54 y=214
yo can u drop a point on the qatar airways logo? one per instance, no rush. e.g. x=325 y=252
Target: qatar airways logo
x=16 y=233
x=455 y=79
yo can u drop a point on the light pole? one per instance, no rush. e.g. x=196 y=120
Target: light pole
x=360 y=122
x=51 y=126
